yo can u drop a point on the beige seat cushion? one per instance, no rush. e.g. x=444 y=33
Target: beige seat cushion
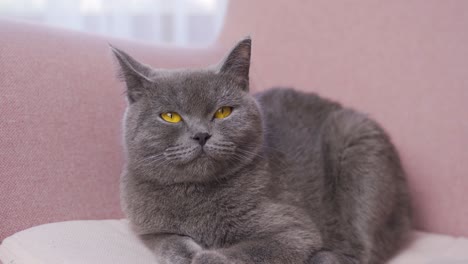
x=111 y=242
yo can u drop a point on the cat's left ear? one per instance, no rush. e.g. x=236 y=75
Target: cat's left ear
x=237 y=63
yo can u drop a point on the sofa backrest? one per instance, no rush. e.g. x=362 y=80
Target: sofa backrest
x=60 y=122
x=403 y=62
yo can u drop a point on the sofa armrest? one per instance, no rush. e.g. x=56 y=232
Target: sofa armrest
x=60 y=111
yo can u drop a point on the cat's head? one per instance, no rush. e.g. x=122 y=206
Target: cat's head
x=190 y=125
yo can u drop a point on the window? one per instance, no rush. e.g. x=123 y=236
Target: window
x=177 y=22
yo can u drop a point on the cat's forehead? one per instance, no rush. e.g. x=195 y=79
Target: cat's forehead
x=194 y=90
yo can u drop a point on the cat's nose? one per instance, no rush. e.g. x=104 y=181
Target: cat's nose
x=201 y=138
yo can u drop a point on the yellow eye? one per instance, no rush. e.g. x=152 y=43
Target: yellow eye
x=223 y=112
x=171 y=117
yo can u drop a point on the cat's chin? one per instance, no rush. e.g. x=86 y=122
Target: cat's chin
x=197 y=157
x=204 y=164
x=203 y=168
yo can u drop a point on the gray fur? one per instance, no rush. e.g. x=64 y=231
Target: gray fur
x=288 y=177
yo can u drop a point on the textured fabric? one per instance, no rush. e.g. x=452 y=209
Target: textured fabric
x=111 y=242
x=60 y=112
x=100 y=242
x=403 y=62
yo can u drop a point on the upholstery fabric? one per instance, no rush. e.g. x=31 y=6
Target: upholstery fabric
x=403 y=62
x=111 y=242
x=60 y=115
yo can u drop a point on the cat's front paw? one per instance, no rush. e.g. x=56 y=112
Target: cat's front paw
x=210 y=257
x=174 y=249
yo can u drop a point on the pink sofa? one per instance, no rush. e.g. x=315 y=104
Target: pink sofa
x=404 y=62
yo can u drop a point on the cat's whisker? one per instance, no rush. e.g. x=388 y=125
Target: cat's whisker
x=151 y=156
x=237 y=158
x=224 y=144
x=148 y=162
x=222 y=151
x=176 y=148
x=249 y=153
x=179 y=153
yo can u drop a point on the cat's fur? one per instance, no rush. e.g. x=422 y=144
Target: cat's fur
x=288 y=177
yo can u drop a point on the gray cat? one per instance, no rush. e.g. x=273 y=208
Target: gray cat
x=216 y=175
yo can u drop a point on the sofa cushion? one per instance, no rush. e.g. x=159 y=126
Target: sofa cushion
x=111 y=241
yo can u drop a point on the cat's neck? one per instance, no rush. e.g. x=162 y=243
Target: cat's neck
x=251 y=176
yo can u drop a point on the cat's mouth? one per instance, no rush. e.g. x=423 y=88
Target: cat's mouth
x=207 y=154
x=216 y=151
x=202 y=153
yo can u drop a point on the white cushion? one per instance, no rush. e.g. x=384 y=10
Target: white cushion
x=80 y=242
x=111 y=242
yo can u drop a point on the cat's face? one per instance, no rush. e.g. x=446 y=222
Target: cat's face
x=191 y=126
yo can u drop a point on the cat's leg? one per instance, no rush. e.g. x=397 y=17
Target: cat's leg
x=289 y=247
x=366 y=188
x=278 y=234
x=171 y=248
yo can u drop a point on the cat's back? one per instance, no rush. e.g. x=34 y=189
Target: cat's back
x=293 y=119
x=293 y=125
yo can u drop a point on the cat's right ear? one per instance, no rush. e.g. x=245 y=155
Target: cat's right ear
x=134 y=74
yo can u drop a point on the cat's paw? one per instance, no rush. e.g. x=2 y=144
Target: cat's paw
x=176 y=250
x=210 y=257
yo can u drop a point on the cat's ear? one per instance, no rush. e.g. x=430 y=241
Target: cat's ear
x=134 y=74
x=237 y=63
